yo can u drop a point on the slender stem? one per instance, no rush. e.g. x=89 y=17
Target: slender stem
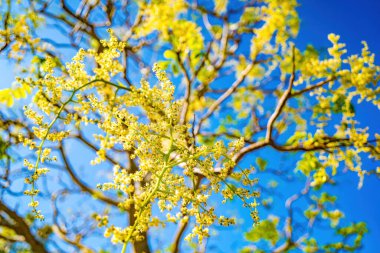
x=151 y=194
x=124 y=249
x=145 y=203
x=44 y=138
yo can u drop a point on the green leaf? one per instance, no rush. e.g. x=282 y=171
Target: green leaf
x=265 y=230
x=175 y=69
x=261 y=163
x=163 y=64
x=170 y=54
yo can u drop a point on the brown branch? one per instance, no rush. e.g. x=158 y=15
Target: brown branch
x=223 y=97
x=268 y=137
x=313 y=87
x=339 y=143
x=22 y=228
x=177 y=239
x=188 y=80
x=82 y=185
x=78 y=17
x=14 y=239
x=281 y=102
x=290 y=243
x=62 y=233
x=224 y=48
x=76 y=244
x=93 y=147
x=6 y=22
x=203 y=62
x=138 y=246
x=255 y=146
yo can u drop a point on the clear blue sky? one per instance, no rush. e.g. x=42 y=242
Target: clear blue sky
x=354 y=21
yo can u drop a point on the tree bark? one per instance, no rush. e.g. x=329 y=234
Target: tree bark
x=140 y=246
x=23 y=229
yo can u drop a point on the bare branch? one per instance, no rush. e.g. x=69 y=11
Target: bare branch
x=313 y=87
x=281 y=102
x=223 y=97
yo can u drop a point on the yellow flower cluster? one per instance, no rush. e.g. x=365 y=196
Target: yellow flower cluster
x=162 y=16
x=280 y=21
x=163 y=146
x=144 y=121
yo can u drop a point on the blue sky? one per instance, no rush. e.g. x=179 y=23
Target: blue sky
x=354 y=21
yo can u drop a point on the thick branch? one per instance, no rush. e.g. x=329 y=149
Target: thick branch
x=272 y=119
x=177 y=239
x=138 y=246
x=22 y=228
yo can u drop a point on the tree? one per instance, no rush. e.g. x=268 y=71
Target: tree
x=226 y=82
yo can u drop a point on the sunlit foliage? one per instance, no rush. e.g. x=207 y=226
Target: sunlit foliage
x=173 y=98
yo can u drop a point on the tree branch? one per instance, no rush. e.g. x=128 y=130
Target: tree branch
x=313 y=87
x=223 y=97
x=82 y=185
x=22 y=228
